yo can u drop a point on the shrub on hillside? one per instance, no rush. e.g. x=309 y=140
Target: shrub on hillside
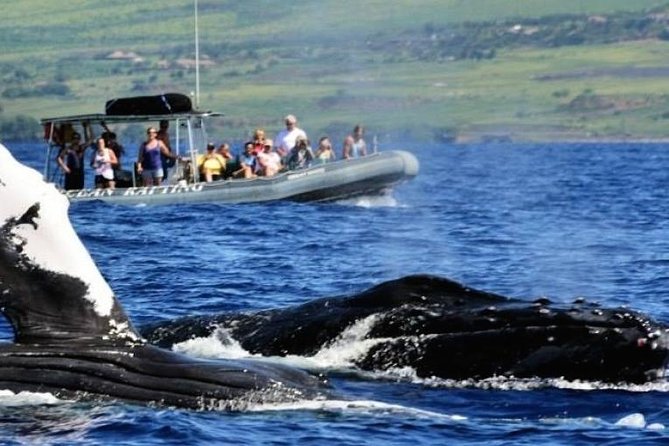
x=49 y=88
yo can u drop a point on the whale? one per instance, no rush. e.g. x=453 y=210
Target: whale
x=71 y=335
x=73 y=338
x=441 y=328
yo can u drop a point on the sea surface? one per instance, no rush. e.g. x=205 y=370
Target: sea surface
x=522 y=220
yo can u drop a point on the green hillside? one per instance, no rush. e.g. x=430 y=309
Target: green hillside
x=427 y=69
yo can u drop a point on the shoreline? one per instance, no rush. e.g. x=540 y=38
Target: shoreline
x=564 y=141
x=466 y=139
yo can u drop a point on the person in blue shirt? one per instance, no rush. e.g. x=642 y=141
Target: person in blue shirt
x=248 y=163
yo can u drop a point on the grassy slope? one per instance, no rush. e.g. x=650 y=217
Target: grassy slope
x=309 y=58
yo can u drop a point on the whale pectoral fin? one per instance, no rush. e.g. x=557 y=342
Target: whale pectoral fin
x=46 y=307
x=50 y=288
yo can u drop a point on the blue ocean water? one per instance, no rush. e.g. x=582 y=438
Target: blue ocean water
x=523 y=220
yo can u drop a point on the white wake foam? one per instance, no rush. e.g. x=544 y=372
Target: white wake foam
x=634 y=420
x=638 y=421
x=219 y=344
x=523 y=384
x=358 y=407
x=631 y=421
x=351 y=344
x=11 y=399
x=371 y=201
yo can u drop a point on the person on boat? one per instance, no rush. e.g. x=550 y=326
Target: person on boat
x=248 y=163
x=224 y=151
x=285 y=140
x=149 y=164
x=166 y=161
x=112 y=143
x=268 y=160
x=71 y=161
x=354 y=145
x=324 y=153
x=211 y=165
x=230 y=162
x=258 y=141
x=301 y=155
x=103 y=162
x=116 y=147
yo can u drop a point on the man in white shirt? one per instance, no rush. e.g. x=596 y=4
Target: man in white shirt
x=285 y=140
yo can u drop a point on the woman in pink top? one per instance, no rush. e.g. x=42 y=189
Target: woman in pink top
x=269 y=160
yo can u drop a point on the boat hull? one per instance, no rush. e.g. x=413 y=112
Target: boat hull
x=343 y=179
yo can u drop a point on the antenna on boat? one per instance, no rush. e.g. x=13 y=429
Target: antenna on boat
x=197 y=61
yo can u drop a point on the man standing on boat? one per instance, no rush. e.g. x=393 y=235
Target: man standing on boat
x=71 y=160
x=354 y=144
x=285 y=140
x=166 y=161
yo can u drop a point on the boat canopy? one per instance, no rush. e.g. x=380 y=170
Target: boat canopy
x=98 y=118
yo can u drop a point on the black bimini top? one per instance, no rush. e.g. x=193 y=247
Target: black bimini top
x=168 y=106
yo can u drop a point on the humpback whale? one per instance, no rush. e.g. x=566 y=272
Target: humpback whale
x=443 y=329
x=71 y=335
x=73 y=338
